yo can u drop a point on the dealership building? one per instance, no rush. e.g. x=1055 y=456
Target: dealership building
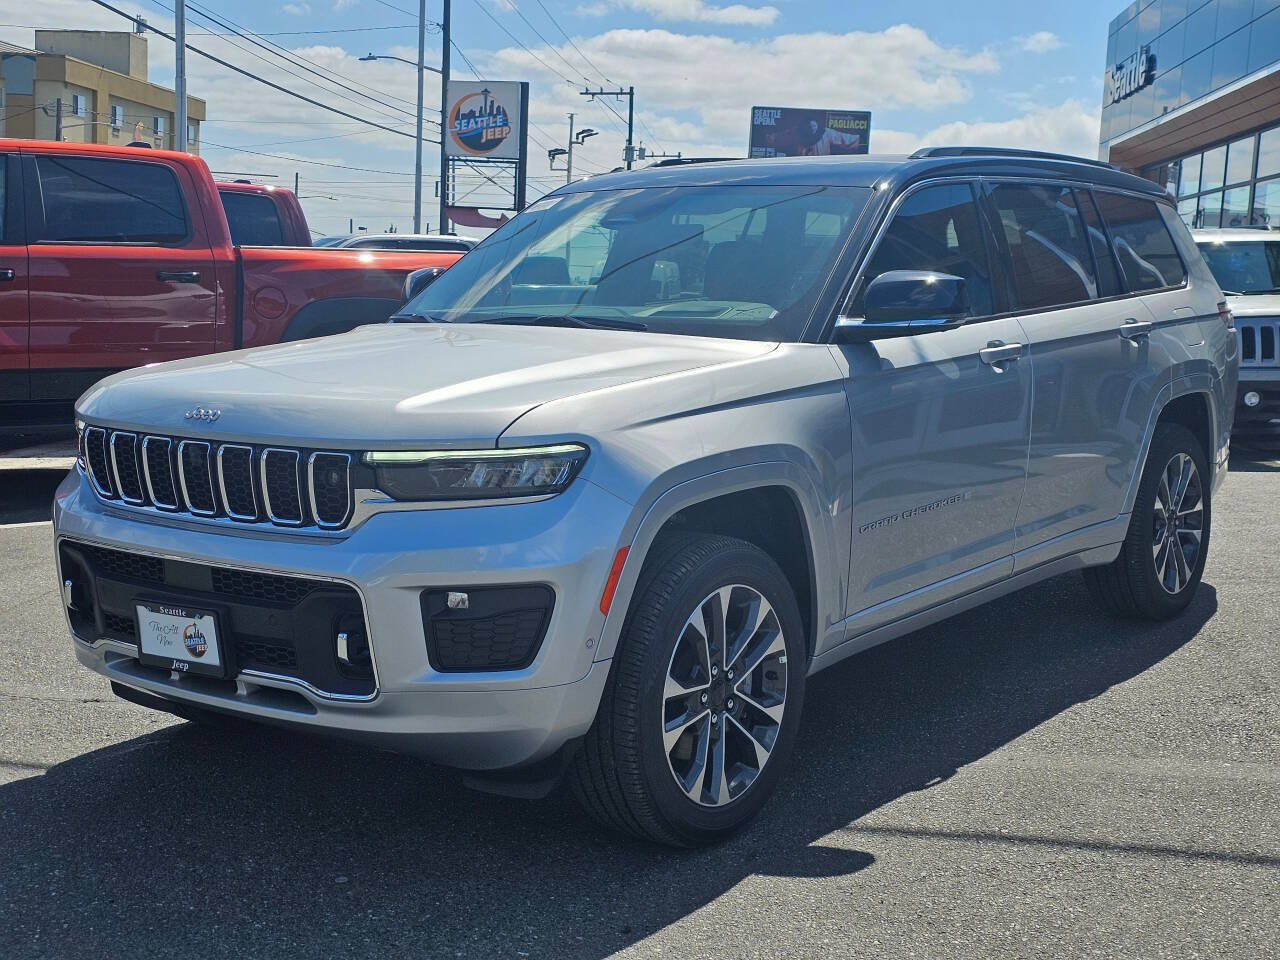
x=1191 y=100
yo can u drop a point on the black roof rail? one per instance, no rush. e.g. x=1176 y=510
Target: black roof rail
x=681 y=161
x=924 y=152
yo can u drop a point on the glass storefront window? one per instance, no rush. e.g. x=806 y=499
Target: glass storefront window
x=1214 y=172
x=1266 y=204
x=1190 y=180
x=1235 y=207
x=1187 y=211
x=1269 y=153
x=1240 y=161
x=1209 y=210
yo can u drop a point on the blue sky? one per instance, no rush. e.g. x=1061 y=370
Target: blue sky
x=990 y=72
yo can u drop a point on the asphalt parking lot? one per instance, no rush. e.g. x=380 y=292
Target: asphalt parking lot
x=1028 y=779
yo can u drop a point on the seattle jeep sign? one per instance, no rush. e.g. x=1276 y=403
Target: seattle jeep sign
x=1129 y=76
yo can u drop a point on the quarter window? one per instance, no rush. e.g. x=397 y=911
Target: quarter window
x=1143 y=244
x=938 y=228
x=1050 y=262
x=110 y=201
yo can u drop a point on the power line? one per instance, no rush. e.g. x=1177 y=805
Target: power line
x=571 y=43
x=262 y=80
x=314 y=163
x=263 y=33
x=295 y=62
x=520 y=13
x=516 y=40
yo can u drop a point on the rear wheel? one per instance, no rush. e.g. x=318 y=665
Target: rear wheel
x=1164 y=552
x=703 y=699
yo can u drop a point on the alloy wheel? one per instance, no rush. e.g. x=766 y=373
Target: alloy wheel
x=724 y=695
x=1177 y=524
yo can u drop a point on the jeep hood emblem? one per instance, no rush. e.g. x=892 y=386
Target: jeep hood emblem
x=203 y=413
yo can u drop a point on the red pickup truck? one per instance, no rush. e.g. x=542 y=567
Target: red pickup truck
x=261 y=215
x=113 y=257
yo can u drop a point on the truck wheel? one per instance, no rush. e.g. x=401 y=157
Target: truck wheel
x=1163 y=555
x=703 y=700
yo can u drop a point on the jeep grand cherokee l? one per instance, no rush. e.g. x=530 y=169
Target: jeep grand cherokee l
x=604 y=495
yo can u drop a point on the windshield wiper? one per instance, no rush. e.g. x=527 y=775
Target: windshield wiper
x=1250 y=293
x=567 y=320
x=416 y=318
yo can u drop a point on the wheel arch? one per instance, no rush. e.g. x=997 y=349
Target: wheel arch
x=1189 y=402
x=802 y=543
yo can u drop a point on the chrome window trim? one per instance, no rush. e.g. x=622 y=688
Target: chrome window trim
x=115 y=467
x=146 y=473
x=103 y=492
x=182 y=479
x=277 y=679
x=266 y=496
x=311 y=488
x=222 y=484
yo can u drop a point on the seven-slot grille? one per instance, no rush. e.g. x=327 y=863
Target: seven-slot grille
x=1259 y=340
x=277 y=485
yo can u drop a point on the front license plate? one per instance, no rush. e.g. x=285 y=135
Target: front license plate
x=183 y=639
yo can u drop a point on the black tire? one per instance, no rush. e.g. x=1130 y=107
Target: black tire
x=1130 y=585
x=622 y=775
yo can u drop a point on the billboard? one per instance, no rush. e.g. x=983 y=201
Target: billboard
x=797 y=132
x=486 y=120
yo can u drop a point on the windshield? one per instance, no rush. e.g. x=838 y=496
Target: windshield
x=745 y=262
x=1247 y=266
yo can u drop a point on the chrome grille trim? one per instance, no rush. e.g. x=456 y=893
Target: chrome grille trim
x=1260 y=338
x=107 y=490
x=311 y=489
x=182 y=479
x=266 y=495
x=222 y=484
x=172 y=503
x=115 y=466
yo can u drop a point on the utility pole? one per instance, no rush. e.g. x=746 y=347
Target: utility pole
x=568 y=176
x=57 y=120
x=180 y=74
x=295 y=183
x=630 y=93
x=417 y=144
x=444 y=118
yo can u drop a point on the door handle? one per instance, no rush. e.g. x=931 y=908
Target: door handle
x=178 y=276
x=997 y=351
x=8 y=274
x=1133 y=329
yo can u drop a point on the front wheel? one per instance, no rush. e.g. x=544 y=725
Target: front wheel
x=704 y=695
x=1163 y=555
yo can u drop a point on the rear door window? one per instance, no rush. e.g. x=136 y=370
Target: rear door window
x=938 y=229
x=1148 y=258
x=99 y=200
x=1048 y=256
x=254 y=220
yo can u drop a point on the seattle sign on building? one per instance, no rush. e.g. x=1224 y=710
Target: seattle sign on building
x=1129 y=76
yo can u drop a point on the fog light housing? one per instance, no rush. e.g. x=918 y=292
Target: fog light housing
x=1252 y=398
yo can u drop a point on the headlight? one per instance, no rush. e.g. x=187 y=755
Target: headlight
x=476 y=474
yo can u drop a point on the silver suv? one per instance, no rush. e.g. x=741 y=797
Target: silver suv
x=600 y=499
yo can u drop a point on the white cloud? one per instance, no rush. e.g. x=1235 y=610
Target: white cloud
x=1067 y=127
x=692 y=11
x=297 y=9
x=340 y=5
x=1042 y=41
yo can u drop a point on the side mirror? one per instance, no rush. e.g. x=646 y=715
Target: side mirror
x=419 y=280
x=901 y=303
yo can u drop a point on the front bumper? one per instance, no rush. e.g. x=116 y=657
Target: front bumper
x=480 y=720
x=1265 y=383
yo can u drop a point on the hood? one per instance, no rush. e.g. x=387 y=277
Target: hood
x=396 y=385
x=1256 y=305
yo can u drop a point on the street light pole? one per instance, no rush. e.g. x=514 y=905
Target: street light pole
x=180 y=75
x=568 y=175
x=417 y=146
x=444 y=117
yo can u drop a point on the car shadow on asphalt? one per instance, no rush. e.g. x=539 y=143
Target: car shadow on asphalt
x=194 y=842
x=26 y=496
